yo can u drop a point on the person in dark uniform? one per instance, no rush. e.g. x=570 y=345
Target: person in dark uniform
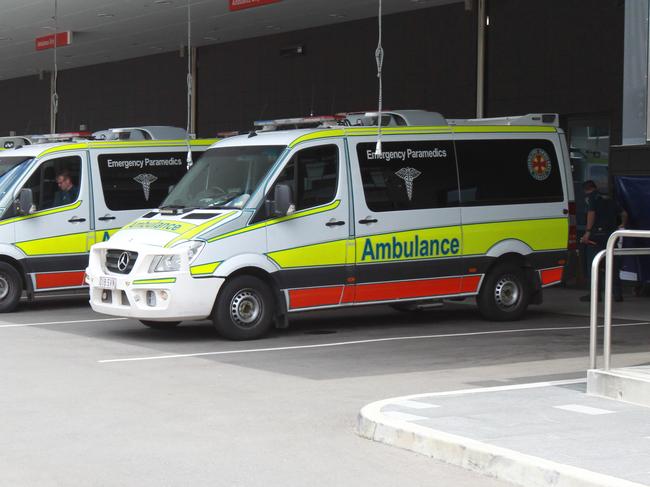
x=67 y=192
x=604 y=217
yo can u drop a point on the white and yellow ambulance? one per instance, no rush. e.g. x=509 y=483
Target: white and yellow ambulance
x=57 y=199
x=285 y=221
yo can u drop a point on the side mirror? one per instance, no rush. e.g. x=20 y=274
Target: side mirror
x=283 y=199
x=25 y=201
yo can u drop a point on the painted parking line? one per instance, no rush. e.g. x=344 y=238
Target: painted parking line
x=4 y=324
x=577 y=408
x=355 y=342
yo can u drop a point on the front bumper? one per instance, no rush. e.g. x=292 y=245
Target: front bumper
x=168 y=296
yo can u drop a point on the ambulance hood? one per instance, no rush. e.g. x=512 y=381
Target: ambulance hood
x=162 y=230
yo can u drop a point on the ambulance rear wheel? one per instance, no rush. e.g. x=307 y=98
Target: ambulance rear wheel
x=505 y=294
x=160 y=325
x=244 y=309
x=11 y=287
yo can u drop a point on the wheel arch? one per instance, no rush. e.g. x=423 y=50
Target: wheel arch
x=269 y=279
x=16 y=264
x=522 y=261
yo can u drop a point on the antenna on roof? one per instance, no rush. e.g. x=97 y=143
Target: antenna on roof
x=54 y=103
x=189 y=85
x=379 y=57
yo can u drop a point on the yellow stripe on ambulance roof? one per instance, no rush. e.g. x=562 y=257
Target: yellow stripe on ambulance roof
x=421 y=130
x=125 y=144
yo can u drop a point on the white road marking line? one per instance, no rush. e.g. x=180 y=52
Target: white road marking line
x=400 y=416
x=406 y=403
x=479 y=390
x=354 y=342
x=577 y=408
x=4 y=324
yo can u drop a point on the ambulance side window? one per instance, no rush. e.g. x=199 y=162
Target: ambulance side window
x=508 y=172
x=313 y=176
x=409 y=175
x=137 y=180
x=55 y=183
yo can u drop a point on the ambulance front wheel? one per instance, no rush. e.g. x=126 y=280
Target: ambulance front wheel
x=244 y=309
x=11 y=287
x=505 y=294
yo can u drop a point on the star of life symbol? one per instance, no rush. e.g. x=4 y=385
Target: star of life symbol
x=145 y=180
x=408 y=174
x=539 y=164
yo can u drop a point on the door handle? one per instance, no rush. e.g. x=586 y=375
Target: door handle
x=367 y=220
x=106 y=218
x=75 y=219
x=335 y=223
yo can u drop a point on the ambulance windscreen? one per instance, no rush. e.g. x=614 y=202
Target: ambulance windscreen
x=224 y=177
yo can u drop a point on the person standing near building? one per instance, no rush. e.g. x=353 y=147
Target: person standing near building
x=604 y=216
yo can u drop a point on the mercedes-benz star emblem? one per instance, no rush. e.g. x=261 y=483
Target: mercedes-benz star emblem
x=123 y=261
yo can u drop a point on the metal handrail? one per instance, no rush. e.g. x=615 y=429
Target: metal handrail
x=609 y=254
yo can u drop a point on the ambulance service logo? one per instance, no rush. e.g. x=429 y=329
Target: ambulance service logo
x=408 y=174
x=145 y=180
x=539 y=164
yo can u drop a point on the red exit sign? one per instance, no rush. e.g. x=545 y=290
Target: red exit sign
x=47 y=42
x=242 y=4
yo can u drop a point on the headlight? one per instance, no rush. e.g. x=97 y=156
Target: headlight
x=165 y=263
x=172 y=263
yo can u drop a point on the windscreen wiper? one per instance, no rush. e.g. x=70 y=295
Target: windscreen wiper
x=174 y=209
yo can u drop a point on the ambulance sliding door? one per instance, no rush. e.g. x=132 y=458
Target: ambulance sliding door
x=407 y=218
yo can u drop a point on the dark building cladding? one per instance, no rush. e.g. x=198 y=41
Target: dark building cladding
x=562 y=56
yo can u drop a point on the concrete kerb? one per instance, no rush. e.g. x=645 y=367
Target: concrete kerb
x=492 y=461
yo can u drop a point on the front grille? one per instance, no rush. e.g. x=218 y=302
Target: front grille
x=115 y=260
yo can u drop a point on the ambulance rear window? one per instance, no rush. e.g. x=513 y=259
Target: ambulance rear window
x=508 y=172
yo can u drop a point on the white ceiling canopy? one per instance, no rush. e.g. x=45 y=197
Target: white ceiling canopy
x=113 y=30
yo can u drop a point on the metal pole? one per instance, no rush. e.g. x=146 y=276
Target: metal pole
x=609 y=271
x=194 y=95
x=593 y=313
x=480 y=60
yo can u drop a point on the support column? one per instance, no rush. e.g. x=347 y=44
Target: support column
x=480 y=59
x=636 y=115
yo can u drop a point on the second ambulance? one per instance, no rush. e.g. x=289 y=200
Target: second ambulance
x=284 y=221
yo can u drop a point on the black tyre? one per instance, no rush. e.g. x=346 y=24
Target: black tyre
x=11 y=287
x=160 y=325
x=505 y=294
x=244 y=309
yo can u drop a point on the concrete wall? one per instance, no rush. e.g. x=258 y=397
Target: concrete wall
x=543 y=55
x=429 y=63
x=562 y=56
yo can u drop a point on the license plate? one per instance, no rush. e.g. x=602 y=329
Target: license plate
x=107 y=282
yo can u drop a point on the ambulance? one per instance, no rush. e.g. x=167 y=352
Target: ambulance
x=284 y=221
x=57 y=199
